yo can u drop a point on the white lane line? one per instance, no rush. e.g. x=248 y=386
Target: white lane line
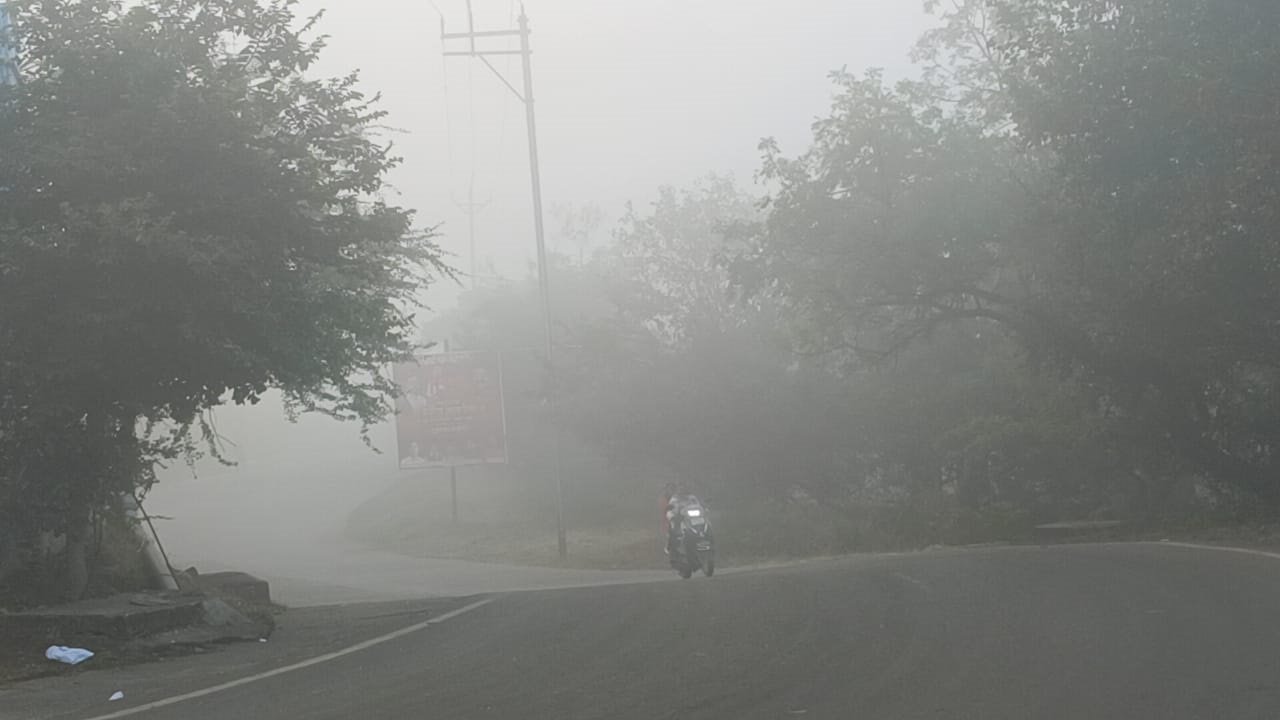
x=914 y=581
x=1219 y=548
x=317 y=660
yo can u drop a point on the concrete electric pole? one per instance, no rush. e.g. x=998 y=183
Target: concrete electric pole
x=471 y=36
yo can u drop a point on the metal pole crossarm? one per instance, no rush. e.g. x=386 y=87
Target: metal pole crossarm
x=479 y=34
x=479 y=53
x=519 y=95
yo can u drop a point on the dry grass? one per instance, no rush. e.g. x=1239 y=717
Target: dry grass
x=511 y=521
x=607 y=549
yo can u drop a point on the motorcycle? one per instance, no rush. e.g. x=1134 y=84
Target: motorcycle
x=694 y=547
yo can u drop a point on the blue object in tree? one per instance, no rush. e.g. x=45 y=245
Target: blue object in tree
x=8 y=49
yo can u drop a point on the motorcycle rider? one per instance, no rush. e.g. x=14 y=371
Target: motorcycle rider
x=676 y=503
x=664 y=504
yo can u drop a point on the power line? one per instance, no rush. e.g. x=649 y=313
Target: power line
x=472 y=208
x=506 y=107
x=470 y=205
x=448 y=121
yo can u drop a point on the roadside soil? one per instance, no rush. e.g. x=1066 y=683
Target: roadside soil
x=299 y=634
x=1257 y=536
x=22 y=645
x=22 y=654
x=641 y=549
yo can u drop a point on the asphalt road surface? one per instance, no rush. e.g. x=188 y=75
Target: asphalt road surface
x=1089 y=631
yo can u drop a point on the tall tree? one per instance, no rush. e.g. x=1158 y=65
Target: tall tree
x=1161 y=119
x=676 y=251
x=898 y=219
x=187 y=218
x=1095 y=177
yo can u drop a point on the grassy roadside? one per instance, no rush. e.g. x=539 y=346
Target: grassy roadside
x=595 y=549
x=507 y=525
x=588 y=549
x=1259 y=536
x=742 y=539
x=639 y=549
x=411 y=519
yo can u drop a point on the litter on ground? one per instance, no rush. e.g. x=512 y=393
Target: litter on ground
x=68 y=655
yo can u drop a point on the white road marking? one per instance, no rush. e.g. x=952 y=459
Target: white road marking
x=317 y=660
x=914 y=581
x=1219 y=548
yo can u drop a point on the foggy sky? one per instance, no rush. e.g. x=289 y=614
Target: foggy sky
x=630 y=95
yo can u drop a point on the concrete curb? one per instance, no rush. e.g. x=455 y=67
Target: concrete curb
x=118 y=621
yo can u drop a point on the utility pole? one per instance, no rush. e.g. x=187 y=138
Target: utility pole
x=535 y=177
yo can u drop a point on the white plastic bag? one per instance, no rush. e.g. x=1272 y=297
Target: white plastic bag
x=68 y=655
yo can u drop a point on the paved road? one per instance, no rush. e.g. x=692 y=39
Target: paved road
x=1137 y=631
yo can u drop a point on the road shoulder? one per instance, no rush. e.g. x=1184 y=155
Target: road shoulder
x=300 y=634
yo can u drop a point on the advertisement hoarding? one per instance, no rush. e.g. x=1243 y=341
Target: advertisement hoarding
x=450 y=412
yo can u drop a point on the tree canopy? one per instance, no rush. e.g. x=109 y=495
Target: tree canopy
x=1037 y=281
x=1040 y=280
x=187 y=217
x=1092 y=178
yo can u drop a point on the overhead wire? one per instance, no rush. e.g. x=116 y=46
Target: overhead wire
x=506 y=105
x=472 y=130
x=448 y=122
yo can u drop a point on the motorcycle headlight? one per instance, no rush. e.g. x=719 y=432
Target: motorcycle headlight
x=694 y=513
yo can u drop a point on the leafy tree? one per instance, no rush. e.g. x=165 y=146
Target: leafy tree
x=1091 y=177
x=1161 y=236
x=187 y=218
x=659 y=368
x=899 y=219
x=676 y=254
x=579 y=225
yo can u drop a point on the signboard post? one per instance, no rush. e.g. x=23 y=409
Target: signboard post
x=450 y=413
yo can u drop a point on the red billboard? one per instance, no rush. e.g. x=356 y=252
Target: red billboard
x=450 y=411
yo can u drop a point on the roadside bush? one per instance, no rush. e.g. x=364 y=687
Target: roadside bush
x=117 y=563
x=797 y=530
x=1002 y=522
